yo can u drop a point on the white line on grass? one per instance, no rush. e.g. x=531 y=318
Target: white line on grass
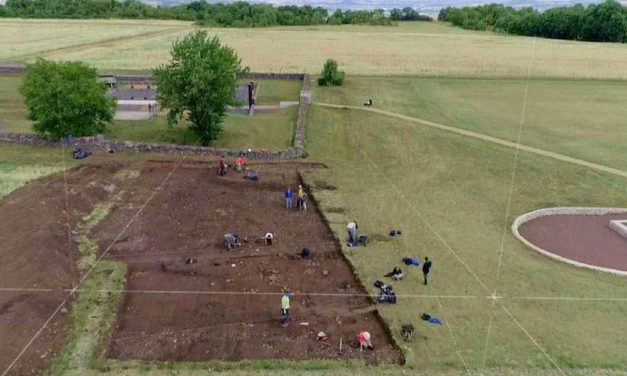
x=533 y=340
x=410 y=205
x=371 y=164
x=314 y=293
x=508 y=205
x=569 y=298
x=207 y=292
x=424 y=220
x=84 y=277
x=450 y=330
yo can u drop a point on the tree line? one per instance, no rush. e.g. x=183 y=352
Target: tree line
x=604 y=22
x=238 y=14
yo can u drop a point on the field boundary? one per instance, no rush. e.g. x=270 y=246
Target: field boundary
x=386 y=326
x=565 y=211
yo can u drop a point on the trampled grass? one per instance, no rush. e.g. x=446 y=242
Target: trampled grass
x=410 y=48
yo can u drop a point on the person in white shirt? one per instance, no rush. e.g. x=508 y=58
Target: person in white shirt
x=352 y=231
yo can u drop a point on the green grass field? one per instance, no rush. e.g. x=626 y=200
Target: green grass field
x=448 y=194
x=410 y=48
x=507 y=309
x=583 y=119
x=272 y=131
x=21 y=164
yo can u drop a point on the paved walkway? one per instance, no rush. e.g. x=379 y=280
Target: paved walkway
x=132 y=115
x=483 y=137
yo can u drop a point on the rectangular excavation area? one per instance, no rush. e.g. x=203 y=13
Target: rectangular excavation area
x=226 y=305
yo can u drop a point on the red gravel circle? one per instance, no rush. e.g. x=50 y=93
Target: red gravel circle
x=586 y=239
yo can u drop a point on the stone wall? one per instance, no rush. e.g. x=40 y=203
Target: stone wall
x=12 y=69
x=149 y=147
x=303 y=106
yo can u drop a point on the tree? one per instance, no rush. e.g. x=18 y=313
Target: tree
x=65 y=98
x=199 y=83
x=330 y=75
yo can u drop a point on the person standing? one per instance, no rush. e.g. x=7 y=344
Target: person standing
x=285 y=308
x=289 y=198
x=425 y=269
x=221 y=167
x=303 y=202
x=351 y=228
x=301 y=193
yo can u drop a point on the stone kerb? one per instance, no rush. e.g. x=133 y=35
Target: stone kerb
x=564 y=211
x=620 y=227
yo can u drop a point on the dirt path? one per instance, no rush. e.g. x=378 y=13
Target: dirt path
x=147 y=35
x=483 y=137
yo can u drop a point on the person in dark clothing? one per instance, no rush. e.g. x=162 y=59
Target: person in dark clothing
x=425 y=268
x=396 y=274
x=305 y=253
x=221 y=167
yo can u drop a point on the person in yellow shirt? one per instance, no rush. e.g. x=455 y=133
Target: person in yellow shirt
x=301 y=194
x=285 y=308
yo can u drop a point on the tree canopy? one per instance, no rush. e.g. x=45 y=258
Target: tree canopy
x=65 y=98
x=199 y=83
x=604 y=22
x=330 y=75
x=236 y=14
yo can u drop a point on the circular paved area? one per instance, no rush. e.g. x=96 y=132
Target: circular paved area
x=584 y=240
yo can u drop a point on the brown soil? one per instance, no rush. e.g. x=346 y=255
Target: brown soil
x=230 y=308
x=583 y=238
x=34 y=254
x=207 y=310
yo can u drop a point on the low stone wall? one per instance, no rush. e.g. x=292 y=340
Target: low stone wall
x=303 y=106
x=149 y=147
x=12 y=69
x=564 y=211
x=620 y=227
x=274 y=76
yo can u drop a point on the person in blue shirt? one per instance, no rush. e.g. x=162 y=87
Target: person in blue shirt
x=289 y=197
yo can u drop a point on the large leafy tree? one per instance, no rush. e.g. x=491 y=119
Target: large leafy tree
x=65 y=98
x=199 y=83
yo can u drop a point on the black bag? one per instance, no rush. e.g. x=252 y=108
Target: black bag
x=362 y=239
x=80 y=154
x=379 y=284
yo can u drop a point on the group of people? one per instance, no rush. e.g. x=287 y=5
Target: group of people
x=232 y=241
x=301 y=197
x=240 y=165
